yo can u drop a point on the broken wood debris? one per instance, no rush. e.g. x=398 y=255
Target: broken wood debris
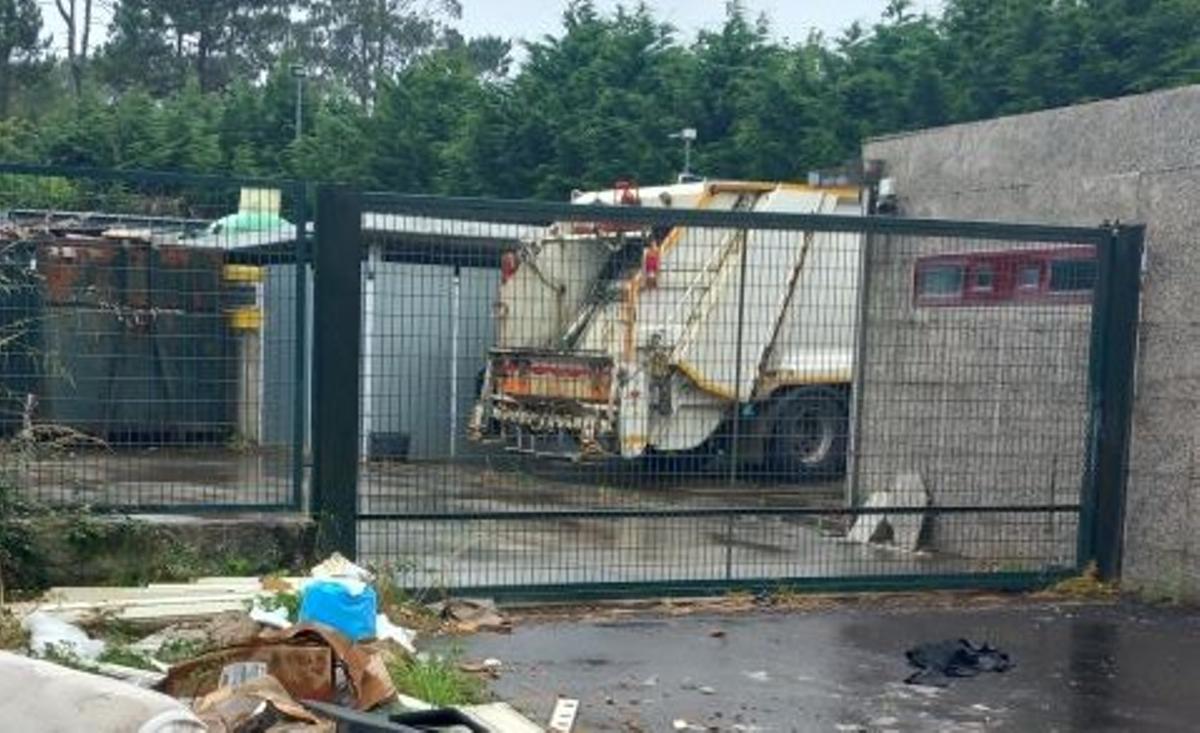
x=213 y=645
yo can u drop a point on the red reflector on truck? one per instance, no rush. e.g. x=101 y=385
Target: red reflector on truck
x=651 y=260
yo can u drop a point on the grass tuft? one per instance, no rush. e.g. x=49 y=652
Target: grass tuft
x=126 y=657
x=12 y=636
x=436 y=680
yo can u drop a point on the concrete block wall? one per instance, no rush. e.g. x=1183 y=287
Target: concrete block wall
x=1135 y=159
x=987 y=404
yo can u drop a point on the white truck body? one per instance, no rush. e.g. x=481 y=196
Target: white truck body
x=596 y=344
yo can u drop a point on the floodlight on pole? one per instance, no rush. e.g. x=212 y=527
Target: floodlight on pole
x=688 y=135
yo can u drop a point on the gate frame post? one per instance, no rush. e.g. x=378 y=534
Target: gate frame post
x=337 y=345
x=1111 y=374
x=300 y=370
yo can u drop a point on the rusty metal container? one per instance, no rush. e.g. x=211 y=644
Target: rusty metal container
x=121 y=339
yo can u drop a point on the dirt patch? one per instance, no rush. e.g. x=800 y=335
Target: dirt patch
x=784 y=600
x=1086 y=586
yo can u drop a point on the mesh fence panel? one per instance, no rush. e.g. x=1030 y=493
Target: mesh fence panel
x=150 y=339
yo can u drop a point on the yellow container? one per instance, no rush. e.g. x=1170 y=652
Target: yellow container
x=251 y=274
x=260 y=199
x=246 y=319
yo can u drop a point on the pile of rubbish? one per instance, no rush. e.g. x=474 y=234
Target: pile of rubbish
x=236 y=655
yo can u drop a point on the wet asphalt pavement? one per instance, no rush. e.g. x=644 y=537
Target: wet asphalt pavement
x=1077 y=668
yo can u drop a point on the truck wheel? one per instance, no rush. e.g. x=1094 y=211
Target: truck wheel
x=809 y=431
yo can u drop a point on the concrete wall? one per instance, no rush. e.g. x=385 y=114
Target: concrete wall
x=987 y=404
x=1137 y=160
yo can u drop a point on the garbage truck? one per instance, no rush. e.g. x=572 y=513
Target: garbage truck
x=627 y=341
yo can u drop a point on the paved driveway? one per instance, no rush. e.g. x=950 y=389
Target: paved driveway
x=1077 y=668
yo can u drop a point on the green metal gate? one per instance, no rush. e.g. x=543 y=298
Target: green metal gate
x=723 y=385
x=572 y=400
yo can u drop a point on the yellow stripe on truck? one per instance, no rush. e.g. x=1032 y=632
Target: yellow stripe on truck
x=703 y=383
x=676 y=234
x=768 y=383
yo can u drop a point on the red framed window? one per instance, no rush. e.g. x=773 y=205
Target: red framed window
x=1006 y=277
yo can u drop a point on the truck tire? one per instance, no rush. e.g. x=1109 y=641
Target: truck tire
x=809 y=430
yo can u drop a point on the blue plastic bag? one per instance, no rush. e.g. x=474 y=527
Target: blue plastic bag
x=335 y=604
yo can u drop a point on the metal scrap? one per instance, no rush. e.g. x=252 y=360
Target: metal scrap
x=261 y=704
x=469 y=615
x=562 y=719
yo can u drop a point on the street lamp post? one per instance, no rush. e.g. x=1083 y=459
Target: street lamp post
x=300 y=74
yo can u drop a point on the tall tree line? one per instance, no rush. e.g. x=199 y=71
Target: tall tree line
x=396 y=98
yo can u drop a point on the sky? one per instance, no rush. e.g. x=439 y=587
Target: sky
x=792 y=19
x=531 y=19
